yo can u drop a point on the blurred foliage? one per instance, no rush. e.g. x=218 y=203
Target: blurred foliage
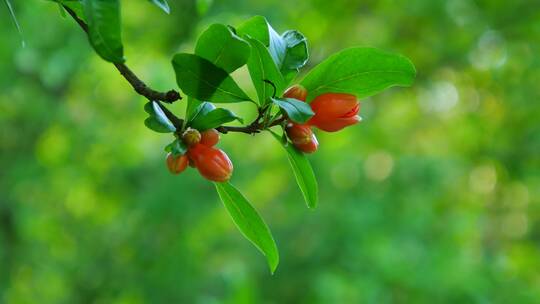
x=433 y=198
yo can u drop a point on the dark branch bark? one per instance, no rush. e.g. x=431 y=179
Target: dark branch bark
x=171 y=96
x=141 y=88
x=138 y=85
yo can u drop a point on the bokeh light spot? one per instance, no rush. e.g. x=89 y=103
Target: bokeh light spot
x=490 y=51
x=483 y=179
x=378 y=166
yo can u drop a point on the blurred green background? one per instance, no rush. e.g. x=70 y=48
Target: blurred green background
x=434 y=197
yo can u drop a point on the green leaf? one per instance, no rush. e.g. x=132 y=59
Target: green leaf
x=162 y=4
x=205 y=116
x=74 y=5
x=177 y=148
x=297 y=110
x=62 y=10
x=219 y=45
x=192 y=105
x=249 y=222
x=296 y=54
x=103 y=19
x=262 y=67
x=288 y=51
x=202 y=109
x=153 y=124
x=149 y=108
x=214 y=119
x=277 y=47
x=359 y=71
x=157 y=121
x=201 y=79
x=305 y=178
x=161 y=117
x=256 y=28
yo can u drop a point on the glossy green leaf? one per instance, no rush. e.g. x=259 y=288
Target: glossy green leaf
x=297 y=110
x=262 y=69
x=157 y=121
x=256 y=28
x=161 y=117
x=162 y=4
x=203 y=80
x=153 y=124
x=288 y=51
x=219 y=45
x=305 y=178
x=277 y=47
x=202 y=109
x=360 y=71
x=103 y=19
x=296 y=54
x=249 y=222
x=149 y=108
x=213 y=119
x=177 y=147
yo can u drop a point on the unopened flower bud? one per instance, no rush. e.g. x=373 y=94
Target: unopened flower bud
x=334 y=111
x=311 y=146
x=213 y=164
x=176 y=164
x=209 y=137
x=297 y=91
x=191 y=137
x=302 y=137
x=298 y=134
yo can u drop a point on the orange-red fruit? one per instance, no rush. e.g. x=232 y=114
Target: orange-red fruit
x=191 y=137
x=334 y=111
x=213 y=164
x=309 y=147
x=176 y=164
x=209 y=137
x=296 y=91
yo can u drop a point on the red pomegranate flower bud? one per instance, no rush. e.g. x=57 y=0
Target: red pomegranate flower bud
x=213 y=164
x=298 y=134
x=334 y=111
x=296 y=91
x=311 y=146
x=191 y=137
x=209 y=137
x=302 y=137
x=176 y=164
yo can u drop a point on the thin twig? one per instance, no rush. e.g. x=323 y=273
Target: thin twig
x=138 y=85
x=171 y=96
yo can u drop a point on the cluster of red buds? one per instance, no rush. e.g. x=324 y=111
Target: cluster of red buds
x=212 y=163
x=333 y=112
